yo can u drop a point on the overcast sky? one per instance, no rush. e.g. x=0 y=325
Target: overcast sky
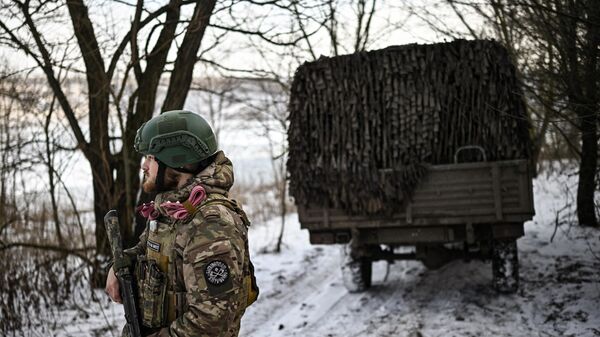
x=394 y=23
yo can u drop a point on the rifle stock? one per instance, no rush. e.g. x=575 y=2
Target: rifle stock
x=122 y=268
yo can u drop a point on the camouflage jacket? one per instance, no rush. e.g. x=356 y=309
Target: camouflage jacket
x=192 y=273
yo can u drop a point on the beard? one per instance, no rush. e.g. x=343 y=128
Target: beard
x=149 y=183
x=170 y=182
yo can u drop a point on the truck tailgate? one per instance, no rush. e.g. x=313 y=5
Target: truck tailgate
x=474 y=193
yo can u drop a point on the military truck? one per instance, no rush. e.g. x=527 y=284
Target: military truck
x=418 y=146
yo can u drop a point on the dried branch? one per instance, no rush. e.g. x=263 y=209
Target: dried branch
x=60 y=249
x=45 y=63
x=261 y=35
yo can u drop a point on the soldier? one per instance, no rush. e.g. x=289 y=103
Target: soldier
x=192 y=263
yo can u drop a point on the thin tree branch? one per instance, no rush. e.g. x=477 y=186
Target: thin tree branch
x=60 y=249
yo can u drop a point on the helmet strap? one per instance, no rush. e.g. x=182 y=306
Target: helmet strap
x=184 y=170
x=162 y=167
x=160 y=176
x=199 y=168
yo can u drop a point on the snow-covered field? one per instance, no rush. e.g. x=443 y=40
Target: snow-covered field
x=302 y=293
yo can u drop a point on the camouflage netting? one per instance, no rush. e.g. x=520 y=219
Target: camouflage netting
x=362 y=126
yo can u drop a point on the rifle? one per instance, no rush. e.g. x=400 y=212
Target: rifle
x=121 y=267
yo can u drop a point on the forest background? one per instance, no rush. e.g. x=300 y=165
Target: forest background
x=77 y=79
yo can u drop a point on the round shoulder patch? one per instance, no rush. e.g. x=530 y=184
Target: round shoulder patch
x=216 y=272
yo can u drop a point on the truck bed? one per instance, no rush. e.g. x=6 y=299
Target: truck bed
x=448 y=198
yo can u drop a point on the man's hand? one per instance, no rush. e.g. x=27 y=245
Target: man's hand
x=112 y=286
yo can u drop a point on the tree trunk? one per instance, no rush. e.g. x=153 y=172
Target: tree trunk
x=181 y=77
x=179 y=85
x=126 y=190
x=146 y=101
x=586 y=213
x=102 y=184
x=587 y=112
x=98 y=152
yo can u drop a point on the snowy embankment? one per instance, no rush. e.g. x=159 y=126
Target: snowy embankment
x=302 y=292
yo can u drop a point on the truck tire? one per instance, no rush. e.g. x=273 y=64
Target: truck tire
x=356 y=272
x=505 y=266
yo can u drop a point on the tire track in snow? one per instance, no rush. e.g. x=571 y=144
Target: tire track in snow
x=367 y=314
x=284 y=298
x=392 y=314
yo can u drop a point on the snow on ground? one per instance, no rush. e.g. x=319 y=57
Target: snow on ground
x=302 y=292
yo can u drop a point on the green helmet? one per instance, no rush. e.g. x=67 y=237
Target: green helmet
x=176 y=138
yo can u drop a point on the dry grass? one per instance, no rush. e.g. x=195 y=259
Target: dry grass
x=261 y=200
x=39 y=272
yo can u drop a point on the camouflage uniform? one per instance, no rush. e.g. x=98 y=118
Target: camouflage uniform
x=193 y=273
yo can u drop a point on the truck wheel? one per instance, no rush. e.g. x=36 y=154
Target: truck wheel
x=356 y=272
x=505 y=266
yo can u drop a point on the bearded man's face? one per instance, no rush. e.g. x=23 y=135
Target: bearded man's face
x=150 y=169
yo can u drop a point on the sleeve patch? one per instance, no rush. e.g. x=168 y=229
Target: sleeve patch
x=218 y=277
x=216 y=273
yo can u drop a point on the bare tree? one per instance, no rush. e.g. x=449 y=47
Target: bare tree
x=332 y=27
x=114 y=174
x=31 y=234
x=216 y=97
x=564 y=36
x=267 y=108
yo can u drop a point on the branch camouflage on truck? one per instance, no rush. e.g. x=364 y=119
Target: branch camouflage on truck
x=418 y=145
